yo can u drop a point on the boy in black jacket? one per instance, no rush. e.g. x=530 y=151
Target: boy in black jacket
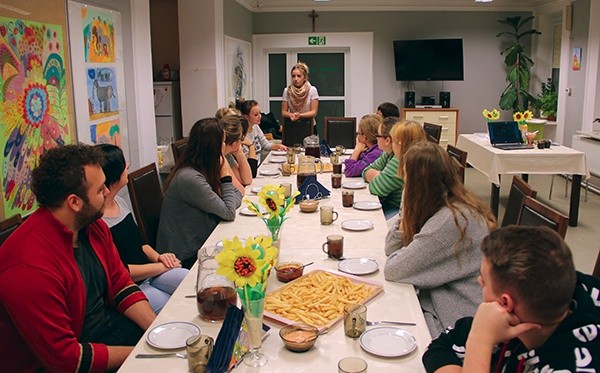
x=538 y=314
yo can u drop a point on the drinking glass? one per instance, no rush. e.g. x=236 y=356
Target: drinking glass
x=253 y=312
x=355 y=320
x=352 y=365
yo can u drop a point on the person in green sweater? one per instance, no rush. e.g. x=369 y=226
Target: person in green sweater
x=382 y=175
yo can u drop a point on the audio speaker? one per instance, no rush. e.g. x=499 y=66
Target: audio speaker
x=409 y=99
x=445 y=99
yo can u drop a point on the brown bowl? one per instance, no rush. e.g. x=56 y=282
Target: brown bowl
x=299 y=337
x=308 y=205
x=288 y=271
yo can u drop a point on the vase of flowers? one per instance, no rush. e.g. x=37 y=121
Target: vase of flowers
x=491 y=116
x=247 y=265
x=272 y=199
x=521 y=118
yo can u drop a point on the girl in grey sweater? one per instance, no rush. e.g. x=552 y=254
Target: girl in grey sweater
x=434 y=245
x=199 y=193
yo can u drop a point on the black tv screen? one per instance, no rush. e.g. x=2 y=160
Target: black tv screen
x=435 y=59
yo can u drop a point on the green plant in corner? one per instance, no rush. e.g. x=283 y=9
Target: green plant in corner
x=547 y=101
x=516 y=95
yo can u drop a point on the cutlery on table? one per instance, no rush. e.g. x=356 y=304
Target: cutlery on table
x=153 y=356
x=371 y=323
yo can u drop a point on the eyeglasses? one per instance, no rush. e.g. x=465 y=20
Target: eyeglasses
x=381 y=136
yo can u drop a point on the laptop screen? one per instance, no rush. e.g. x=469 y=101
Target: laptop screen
x=504 y=133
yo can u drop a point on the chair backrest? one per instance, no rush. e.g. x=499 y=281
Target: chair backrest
x=295 y=132
x=518 y=190
x=535 y=213
x=146 y=199
x=596 y=272
x=460 y=156
x=8 y=226
x=178 y=148
x=341 y=131
x=433 y=131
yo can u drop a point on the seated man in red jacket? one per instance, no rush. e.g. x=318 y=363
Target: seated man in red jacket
x=67 y=303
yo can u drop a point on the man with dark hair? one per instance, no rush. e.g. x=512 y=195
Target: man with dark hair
x=538 y=313
x=387 y=109
x=67 y=303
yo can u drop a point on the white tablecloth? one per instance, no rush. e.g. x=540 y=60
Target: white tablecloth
x=492 y=161
x=302 y=238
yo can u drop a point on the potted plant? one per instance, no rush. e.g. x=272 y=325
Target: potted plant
x=547 y=100
x=516 y=95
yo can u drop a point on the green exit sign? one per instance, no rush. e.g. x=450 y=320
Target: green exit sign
x=316 y=40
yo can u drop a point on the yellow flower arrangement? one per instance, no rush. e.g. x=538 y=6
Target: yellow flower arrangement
x=247 y=265
x=522 y=117
x=491 y=115
x=277 y=206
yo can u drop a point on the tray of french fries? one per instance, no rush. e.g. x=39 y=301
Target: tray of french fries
x=318 y=298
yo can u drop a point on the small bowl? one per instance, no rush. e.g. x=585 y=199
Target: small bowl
x=308 y=205
x=288 y=271
x=299 y=337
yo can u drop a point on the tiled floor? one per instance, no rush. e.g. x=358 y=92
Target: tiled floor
x=584 y=240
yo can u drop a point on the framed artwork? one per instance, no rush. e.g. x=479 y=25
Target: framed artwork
x=238 y=68
x=35 y=96
x=576 y=63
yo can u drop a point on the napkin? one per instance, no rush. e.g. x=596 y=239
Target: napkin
x=312 y=189
x=221 y=355
x=325 y=148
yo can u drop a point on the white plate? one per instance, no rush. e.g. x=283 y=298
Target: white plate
x=171 y=335
x=256 y=189
x=354 y=185
x=277 y=159
x=358 y=266
x=247 y=212
x=269 y=171
x=388 y=342
x=367 y=205
x=357 y=225
x=278 y=152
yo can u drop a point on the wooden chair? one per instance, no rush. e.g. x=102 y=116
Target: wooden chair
x=461 y=157
x=341 y=131
x=535 y=213
x=8 y=226
x=433 y=131
x=178 y=148
x=518 y=190
x=146 y=199
x=295 y=132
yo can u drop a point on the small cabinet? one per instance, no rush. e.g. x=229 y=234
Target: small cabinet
x=447 y=118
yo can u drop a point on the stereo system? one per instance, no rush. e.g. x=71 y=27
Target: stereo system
x=409 y=99
x=445 y=99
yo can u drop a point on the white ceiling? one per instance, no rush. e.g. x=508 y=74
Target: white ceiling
x=392 y=5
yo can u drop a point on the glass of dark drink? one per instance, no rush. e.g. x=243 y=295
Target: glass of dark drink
x=336 y=180
x=315 y=151
x=334 y=247
x=214 y=293
x=347 y=198
x=337 y=168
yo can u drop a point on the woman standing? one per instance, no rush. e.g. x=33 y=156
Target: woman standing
x=435 y=243
x=158 y=275
x=251 y=110
x=300 y=99
x=366 y=150
x=199 y=193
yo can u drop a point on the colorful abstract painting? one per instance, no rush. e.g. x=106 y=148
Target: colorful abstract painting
x=106 y=133
x=103 y=100
x=34 y=106
x=98 y=36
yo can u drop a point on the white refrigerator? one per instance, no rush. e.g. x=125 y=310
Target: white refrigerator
x=167 y=110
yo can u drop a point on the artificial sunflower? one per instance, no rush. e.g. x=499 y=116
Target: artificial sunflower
x=241 y=263
x=518 y=117
x=491 y=115
x=527 y=115
x=272 y=197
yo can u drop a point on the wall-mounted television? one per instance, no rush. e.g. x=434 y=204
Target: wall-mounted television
x=433 y=59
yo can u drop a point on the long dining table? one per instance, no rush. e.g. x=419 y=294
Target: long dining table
x=301 y=241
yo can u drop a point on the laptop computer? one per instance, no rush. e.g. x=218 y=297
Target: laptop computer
x=506 y=136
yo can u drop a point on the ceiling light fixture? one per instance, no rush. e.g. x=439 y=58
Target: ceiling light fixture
x=483 y=1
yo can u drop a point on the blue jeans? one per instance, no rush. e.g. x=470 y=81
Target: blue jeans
x=158 y=289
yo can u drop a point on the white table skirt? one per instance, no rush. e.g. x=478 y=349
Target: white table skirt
x=302 y=238
x=493 y=162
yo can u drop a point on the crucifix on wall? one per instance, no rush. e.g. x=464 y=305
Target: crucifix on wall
x=313 y=15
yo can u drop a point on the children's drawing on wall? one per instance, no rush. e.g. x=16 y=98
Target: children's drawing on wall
x=103 y=100
x=576 y=65
x=108 y=132
x=34 y=115
x=98 y=36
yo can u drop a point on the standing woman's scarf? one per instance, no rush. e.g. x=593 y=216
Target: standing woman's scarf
x=299 y=96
